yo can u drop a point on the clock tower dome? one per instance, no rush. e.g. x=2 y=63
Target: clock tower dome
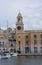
x=19 y=23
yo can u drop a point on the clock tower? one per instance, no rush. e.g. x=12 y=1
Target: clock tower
x=19 y=23
x=19 y=33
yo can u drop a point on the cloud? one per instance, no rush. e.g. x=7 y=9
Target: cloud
x=31 y=11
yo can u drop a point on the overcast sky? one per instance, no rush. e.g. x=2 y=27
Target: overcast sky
x=31 y=11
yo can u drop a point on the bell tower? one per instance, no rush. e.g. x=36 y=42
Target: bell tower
x=19 y=23
x=19 y=32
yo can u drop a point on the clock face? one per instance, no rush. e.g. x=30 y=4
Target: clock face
x=19 y=27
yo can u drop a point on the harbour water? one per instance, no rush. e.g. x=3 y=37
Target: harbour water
x=22 y=60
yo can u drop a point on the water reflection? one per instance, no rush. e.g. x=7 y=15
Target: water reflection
x=22 y=60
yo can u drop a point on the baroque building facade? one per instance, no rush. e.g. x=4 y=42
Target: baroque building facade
x=24 y=42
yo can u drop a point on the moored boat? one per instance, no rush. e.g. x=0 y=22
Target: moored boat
x=5 y=55
x=13 y=54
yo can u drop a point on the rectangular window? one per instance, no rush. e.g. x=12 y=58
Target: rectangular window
x=19 y=42
x=41 y=41
x=0 y=43
x=41 y=49
x=26 y=42
x=41 y=36
x=19 y=45
x=18 y=36
x=35 y=42
x=27 y=49
x=35 y=49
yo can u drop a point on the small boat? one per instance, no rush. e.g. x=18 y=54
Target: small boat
x=0 y=56
x=13 y=54
x=5 y=55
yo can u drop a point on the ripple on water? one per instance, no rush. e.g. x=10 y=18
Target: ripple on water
x=22 y=60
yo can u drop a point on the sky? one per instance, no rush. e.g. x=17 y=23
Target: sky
x=31 y=11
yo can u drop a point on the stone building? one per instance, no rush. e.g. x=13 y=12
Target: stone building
x=22 y=41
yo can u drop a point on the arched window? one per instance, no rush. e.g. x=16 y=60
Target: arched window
x=18 y=19
x=35 y=36
x=11 y=44
x=26 y=36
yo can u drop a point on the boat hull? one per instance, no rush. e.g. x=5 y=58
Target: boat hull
x=5 y=56
x=13 y=54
